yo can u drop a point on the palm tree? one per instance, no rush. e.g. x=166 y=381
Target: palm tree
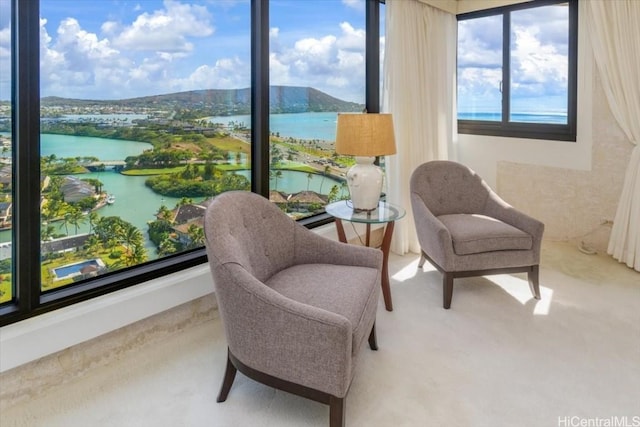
x=46 y=233
x=112 y=243
x=92 y=245
x=343 y=187
x=184 y=201
x=75 y=218
x=137 y=254
x=327 y=169
x=93 y=220
x=309 y=178
x=131 y=237
x=333 y=193
x=277 y=174
x=196 y=236
x=166 y=247
x=65 y=222
x=164 y=213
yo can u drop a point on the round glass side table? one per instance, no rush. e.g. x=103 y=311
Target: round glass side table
x=386 y=213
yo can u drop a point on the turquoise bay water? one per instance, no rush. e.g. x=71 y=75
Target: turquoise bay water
x=135 y=202
x=104 y=149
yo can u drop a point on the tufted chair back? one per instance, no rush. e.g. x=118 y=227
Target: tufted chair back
x=251 y=232
x=449 y=188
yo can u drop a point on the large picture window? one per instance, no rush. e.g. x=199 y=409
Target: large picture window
x=517 y=71
x=135 y=139
x=134 y=115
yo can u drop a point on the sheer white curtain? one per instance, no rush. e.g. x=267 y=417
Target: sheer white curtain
x=615 y=35
x=418 y=89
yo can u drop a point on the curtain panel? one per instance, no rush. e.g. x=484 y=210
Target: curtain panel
x=615 y=32
x=419 y=90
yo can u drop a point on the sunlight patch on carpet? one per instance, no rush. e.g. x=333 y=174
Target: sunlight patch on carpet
x=410 y=270
x=519 y=289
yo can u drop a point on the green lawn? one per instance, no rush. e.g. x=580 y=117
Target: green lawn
x=231 y=144
x=5 y=288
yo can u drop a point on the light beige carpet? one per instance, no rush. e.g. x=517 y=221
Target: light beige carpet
x=497 y=358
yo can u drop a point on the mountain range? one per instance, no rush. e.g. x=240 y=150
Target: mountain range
x=219 y=102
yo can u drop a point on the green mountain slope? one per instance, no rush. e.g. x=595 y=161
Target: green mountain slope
x=218 y=102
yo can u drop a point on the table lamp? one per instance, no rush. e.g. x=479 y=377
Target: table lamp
x=365 y=136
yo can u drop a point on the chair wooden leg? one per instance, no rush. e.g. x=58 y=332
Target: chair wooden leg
x=229 y=376
x=533 y=277
x=447 y=289
x=336 y=412
x=422 y=259
x=373 y=341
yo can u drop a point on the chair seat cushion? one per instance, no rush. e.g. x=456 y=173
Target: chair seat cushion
x=472 y=234
x=345 y=290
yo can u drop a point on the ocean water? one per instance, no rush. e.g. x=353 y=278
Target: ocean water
x=548 y=118
x=320 y=126
x=323 y=125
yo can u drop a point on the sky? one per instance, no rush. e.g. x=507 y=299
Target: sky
x=115 y=49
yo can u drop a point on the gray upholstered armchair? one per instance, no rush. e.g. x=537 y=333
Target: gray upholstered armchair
x=296 y=307
x=465 y=229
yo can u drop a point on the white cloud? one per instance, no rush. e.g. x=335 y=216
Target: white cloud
x=166 y=30
x=538 y=67
x=352 y=39
x=355 y=4
x=330 y=63
x=226 y=73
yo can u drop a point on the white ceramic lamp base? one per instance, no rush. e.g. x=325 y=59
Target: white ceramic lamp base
x=365 y=184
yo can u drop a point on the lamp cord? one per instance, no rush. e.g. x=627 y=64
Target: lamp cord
x=357 y=234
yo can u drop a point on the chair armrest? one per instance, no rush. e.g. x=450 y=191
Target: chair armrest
x=311 y=248
x=499 y=209
x=283 y=337
x=435 y=239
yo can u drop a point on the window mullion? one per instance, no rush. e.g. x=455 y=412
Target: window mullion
x=506 y=67
x=26 y=148
x=260 y=97
x=372 y=56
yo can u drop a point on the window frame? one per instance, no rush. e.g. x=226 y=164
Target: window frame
x=28 y=299
x=505 y=128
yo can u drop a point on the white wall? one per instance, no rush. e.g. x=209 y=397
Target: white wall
x=482 y=153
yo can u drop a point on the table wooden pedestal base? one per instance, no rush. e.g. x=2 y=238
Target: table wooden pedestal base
x=386 y=244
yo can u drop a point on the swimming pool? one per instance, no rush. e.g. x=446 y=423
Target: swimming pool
x=71 y=270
